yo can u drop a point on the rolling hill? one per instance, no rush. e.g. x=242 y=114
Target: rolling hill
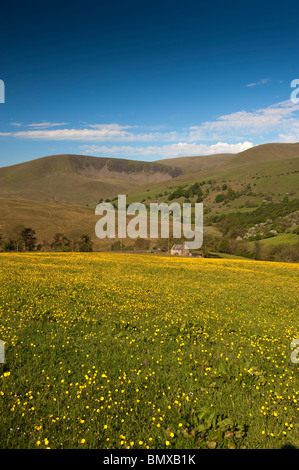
x=270 y=170
x=198 y=164
x=226 y=162
x=59 y=193
x=79 y=179
x=265 y=153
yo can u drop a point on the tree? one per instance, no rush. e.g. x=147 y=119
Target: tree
x=9 y=245
x=60 y=242
x=116 y=246
x=141 y=244
x=14 y=237
x=85 y=243
x=219 y=198
x=176 y=194
x=257 y=250
x=29 y=239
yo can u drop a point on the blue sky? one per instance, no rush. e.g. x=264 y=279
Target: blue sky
x=146 y=79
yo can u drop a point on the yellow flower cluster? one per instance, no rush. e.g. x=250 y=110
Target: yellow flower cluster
x=111 y=350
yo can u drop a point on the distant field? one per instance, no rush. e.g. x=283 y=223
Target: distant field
x=229 y=256
x=281 y=238
x=136 y=351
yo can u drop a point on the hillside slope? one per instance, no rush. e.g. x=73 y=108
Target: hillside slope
x=79 y=179
x=270 y=172
x=213 y=164
x=59 y=193
x=197 y=164
x=261 y=154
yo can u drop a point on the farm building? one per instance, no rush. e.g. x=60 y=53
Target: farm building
x=179 y=250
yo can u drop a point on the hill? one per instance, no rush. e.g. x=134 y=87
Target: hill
x=228 y=161
x=79 y=179
x=197 y=164
x=59 y=193
x=47 y=219
x=265 y=153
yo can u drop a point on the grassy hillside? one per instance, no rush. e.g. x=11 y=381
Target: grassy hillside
x=252 y=185
x=79 y=179
x=47 y=219
x=262 y=153
x=198 y=164
x=59 y=193
x=281 y=238
x=227 y=162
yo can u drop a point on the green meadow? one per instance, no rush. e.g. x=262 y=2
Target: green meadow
x=124 y=351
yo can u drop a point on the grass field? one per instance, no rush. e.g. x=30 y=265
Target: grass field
x=140 y=351
x=281 y=238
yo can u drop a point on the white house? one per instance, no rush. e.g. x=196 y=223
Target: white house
x=180 y=250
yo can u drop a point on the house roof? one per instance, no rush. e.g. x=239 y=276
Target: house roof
x=179 y=247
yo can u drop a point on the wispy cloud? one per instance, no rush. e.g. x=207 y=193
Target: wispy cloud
x=39 y=125
x=164 y=151
x=273 y=119
x=229 y=133
x=15 y=124
x=263 y=81
x=96 y=132
x=47 y=125
x=293 y=134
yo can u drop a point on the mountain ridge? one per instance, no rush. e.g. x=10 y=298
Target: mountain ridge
x=84 y=179
x=59 y=193
x=79 y=179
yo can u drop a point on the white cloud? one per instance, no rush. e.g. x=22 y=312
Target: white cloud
x=166 y=151
x=103 y=132
x=114 y=126
x=46 y=125
x=96 y=132
x=263 y=81
x=16 y=124
x=39 y=125
x=290 y=138
x=229 y=133
x=242 y=124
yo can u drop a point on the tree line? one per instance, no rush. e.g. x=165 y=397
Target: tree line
x=257 y=250
x=24 y=239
